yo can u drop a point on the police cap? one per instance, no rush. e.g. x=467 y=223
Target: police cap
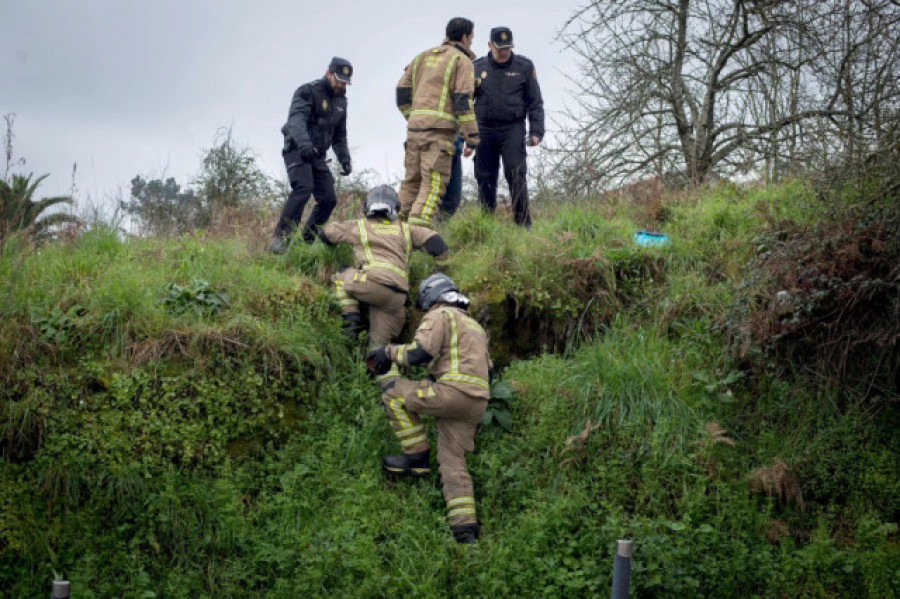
x=502 y=37
x=341 y=68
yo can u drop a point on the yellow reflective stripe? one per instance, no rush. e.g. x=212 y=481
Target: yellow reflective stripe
x=386 y=266
x=465 y=378
x=432 y=198
x=426 y=392
x=416 y=220
x=469 y=511
x=434 y=113
x=467 y=118
x=393 y=373
x=445 y=88
x=399 y=411
x=408 y=237
x=460 y=500
x=411 y=431
x=454 y=344
x=405 y=112
x=401 y=354
x=414 y=441
x=415 y=68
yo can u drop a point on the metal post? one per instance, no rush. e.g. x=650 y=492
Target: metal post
x=60 y=589
x=622 y=570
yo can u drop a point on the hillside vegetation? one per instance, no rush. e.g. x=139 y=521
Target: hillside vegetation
x=182 y=417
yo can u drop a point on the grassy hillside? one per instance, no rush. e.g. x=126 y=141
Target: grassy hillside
x=182 y=418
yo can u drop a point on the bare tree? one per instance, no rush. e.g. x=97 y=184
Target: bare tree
x=702 y=87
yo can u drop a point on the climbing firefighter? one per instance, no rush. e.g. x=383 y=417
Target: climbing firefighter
x=456 y=393
x=381 y=247
x=435 y=97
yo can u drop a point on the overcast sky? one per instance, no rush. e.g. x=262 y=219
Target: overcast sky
x=126 y=87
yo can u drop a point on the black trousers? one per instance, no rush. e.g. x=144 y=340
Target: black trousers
x=307 y=178
x=507 y=143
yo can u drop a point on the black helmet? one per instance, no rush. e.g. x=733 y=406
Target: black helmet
x=382 y=199
x=432 y=288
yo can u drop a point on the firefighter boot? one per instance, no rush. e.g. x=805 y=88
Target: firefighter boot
x=465 y=533
x=352 y=325
x=407 y=464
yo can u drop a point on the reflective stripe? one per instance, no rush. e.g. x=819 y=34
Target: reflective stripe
x=371 y=262
x=432 y=198
x=454 y=344
x=397 y=407
x=406 y=111
x=465 y=378
x=415 y=69
x=401 y=355
x=433 y=113
x=467 y=118
x=467 y=499
x=416 y=220
x=446 y=86
x=468 y=511
x=426 y=392
x=393 y=373
x=417 y=429
x=407 y=235
x=413 y=441
x=343 y=299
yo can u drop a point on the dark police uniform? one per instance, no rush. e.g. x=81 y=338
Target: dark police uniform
x=507 y=93
x=317 y=119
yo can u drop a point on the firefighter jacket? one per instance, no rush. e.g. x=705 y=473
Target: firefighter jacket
x=456 y=347
x=507 y=93
x=318 y=118
x=436 y=90
x=381 y=247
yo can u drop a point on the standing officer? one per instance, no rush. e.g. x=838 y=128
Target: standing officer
x=381 y=248
x=317 y=120
x=456 y=393
x=435 y=97
x=507 y=93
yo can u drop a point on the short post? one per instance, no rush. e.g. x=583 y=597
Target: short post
x=60 y=589
x=622 y=569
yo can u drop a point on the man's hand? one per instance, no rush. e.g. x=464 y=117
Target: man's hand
x=468 y=151
x=346 y=168
x=532 y=140
x=308 y=153
x=377 y=361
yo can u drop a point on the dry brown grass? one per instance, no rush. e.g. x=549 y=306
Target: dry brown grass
x=778 y=480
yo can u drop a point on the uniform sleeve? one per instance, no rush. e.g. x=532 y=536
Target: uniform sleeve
x=339 y=140
x=344 y=232
x=430 y=241
x=534 y=103
x=426 y=344
x=463 y=106
x=404 y=89
x=298 y=116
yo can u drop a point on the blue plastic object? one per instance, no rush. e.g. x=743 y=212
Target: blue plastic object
x=648 y=239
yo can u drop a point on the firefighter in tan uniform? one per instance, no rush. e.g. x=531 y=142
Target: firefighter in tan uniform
x=456 y=394
x=435 y=96
x=381 y=247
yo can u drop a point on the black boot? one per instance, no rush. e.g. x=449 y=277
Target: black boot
x=352 y=325
x=407 y=464
x=465 y=533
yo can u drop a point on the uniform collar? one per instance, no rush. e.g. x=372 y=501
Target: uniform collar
x=327 y=87
x=459 y=47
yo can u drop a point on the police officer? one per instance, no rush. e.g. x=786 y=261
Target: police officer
x=317 y=120
x=381 y=247
x=454 y=347
x=435 y=96
x=507 y=93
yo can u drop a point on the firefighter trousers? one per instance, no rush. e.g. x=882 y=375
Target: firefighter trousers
x=428 y=162
x=457 y=416
x=387 y=306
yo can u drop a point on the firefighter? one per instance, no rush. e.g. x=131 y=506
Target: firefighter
x=381 y=247
x=456 y=394
x=435 y=96
x=507 y=93
x=317 y=120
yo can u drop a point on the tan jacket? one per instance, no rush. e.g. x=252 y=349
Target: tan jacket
x=436 y=90
x=381 y=247
x=458 y=346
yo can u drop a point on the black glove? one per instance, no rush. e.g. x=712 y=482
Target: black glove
x=346 y=168
x=308 y=153
x=377 y=361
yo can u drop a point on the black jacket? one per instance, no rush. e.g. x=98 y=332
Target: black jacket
x=507 y=93
x=318 y=117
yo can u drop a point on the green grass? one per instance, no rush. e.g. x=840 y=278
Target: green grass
x=150 y=451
